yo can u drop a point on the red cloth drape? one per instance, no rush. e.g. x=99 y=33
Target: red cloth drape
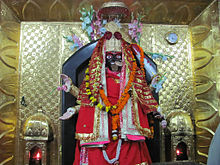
x=132 y=152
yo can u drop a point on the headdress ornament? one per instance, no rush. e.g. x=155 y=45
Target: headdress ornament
x=113 y=37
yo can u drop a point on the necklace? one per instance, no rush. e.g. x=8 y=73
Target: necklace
x=115 y=109
x=122 y=101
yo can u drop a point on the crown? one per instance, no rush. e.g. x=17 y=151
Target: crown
x=113 y=42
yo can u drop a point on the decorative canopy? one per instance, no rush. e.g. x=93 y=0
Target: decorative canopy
x=113 y=9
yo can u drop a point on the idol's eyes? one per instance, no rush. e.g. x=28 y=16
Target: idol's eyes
x=109 y=56
x=115 y=55
x=118 y=56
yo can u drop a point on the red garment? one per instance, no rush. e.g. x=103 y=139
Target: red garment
x=145 y=103
x=132 y=152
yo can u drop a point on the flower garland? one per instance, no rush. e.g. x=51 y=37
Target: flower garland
x=141 y=57
x=122 y=101
x=89 y=93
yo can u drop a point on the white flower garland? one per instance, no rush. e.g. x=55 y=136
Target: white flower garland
x=117 y=153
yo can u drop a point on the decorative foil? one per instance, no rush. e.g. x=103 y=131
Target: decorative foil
x=44 y=50
x=9 y=53
x=174 y=12
x=205 y=36
x=192 y=84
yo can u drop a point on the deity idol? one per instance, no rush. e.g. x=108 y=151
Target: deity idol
x=114 y=100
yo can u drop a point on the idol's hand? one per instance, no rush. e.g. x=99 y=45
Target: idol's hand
x=68 y=114
x=164 y=123
x=67 y=82
x=157 y=114
x=160 y=118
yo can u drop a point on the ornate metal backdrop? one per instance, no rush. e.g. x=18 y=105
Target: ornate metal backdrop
x=206 y=52
x=44 y=50
x=156 y=11
x=190 y=93
x=9 y=86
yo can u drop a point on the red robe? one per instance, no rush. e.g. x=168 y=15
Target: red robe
x=132 y=152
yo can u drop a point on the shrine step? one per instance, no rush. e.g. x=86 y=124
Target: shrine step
x=176 y=163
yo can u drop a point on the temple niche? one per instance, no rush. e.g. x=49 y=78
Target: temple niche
x=182 y=135
x=34 y=52
x=37 y=135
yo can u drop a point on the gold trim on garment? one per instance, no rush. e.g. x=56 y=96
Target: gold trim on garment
x=74 y=90
x=148 y=101
x=138 y=80
x=143 y=163
x=89 y=137
x=143 y=131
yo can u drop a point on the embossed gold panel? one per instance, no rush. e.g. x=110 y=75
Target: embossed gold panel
x=206 y=59
x=9 y=52
x=180 y=12
x=44 y=50
x=177 y=89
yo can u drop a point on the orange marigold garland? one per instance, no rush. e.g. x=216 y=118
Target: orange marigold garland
x=141 y=58
x=122 y=101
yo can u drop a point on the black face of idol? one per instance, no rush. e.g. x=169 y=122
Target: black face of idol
x=114 y=61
